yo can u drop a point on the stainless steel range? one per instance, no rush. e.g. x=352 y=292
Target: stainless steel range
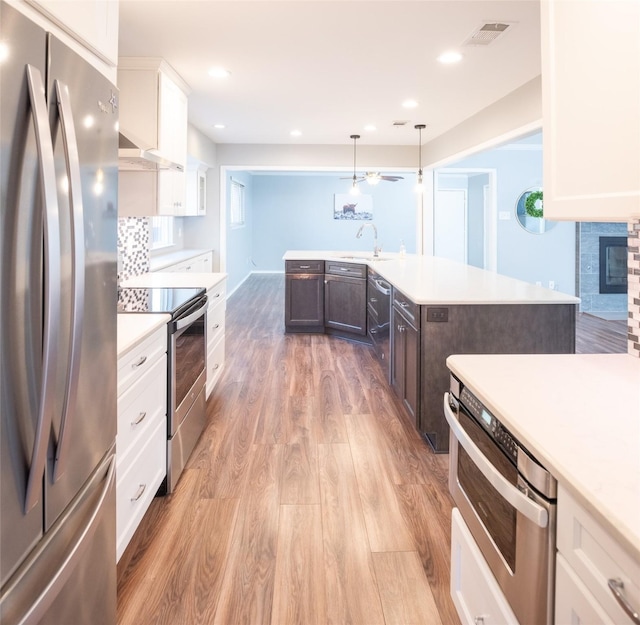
x=186 y=350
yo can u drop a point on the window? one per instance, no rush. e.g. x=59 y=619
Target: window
x=237 y=204
x=161 y=232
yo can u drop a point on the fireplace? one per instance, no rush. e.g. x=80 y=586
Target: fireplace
x=613 y=264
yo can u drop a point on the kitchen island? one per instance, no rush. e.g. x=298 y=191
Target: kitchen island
x=440 y=307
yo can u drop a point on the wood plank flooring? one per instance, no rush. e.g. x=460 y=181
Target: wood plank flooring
x=309 y=499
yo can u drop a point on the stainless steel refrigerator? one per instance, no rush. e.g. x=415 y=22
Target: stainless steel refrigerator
x=59 y=189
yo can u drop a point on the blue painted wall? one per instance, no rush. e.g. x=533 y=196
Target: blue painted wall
x=295 y=212
x=531 y=257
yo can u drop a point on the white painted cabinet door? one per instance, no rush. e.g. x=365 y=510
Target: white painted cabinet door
x=93 y=22
x=172 y=131
x=591 y=109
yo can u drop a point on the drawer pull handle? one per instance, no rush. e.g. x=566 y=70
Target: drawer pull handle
x=478 y=620
x=139 y=492
x=617 y=588
x=216 y=366
x=217 y=295
x=215 y=327
x=373 y=299
x=305 y=266
x=140 y=362
x=405 y=305
x=140 y=418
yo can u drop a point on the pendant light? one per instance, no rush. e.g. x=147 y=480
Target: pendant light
x=355 y=190
x=420 y=185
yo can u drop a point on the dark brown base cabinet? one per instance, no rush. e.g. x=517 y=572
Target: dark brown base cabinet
x=483 y=329
x=304 y=296
x=345 y=304
x=405 y=358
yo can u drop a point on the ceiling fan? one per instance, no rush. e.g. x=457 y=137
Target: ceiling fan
x=372 y=177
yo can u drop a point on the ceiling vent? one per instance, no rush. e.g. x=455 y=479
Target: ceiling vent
x=487 y=34
x=400 y=122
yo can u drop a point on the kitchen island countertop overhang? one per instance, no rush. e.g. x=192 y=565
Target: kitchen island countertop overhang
x=431 y=280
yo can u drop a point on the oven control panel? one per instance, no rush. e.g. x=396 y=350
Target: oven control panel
x=495 y=429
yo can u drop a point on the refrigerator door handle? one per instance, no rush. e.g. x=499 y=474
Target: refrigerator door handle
x=72 y=158
x=51 y=297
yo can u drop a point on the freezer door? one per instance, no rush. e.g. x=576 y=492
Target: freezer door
x=83 y=117
x=21 y=285
x=70 y=576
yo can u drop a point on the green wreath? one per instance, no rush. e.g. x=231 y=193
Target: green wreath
x=530 y=204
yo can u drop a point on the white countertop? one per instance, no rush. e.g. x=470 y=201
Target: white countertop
x=580 y=416
x=440 y=281
x=135 y=327
x=164 y=260
x=172 y=279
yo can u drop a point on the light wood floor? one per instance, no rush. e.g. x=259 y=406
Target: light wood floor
x=310 y=498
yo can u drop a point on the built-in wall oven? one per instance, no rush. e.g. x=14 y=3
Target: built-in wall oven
x=186 y=356
x=508 y=502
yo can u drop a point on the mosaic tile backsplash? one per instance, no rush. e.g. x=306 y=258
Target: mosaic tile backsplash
x=133 y=247
x=633 y=266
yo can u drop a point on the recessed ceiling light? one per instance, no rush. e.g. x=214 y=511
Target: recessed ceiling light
x=450 y=57
x=219 y=72
x=219 y=126
x=370 y=128
x=295 y=133
x=4 y=52
x=409 y=104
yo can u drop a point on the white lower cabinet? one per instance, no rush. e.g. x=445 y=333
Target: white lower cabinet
x=203 y=263
x=589 y=560
x=474 y=590
x=141 y=441
x=215 y=334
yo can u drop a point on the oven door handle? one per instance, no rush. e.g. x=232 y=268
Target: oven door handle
x=534 y=512
x=183 y=322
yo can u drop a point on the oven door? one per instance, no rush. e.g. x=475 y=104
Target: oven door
x=512 y=525
x=187 y=362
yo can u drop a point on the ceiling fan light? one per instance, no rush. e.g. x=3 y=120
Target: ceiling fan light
x=372 y=178
x=355 y=189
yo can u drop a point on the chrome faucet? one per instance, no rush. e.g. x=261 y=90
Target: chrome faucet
x=376 y=249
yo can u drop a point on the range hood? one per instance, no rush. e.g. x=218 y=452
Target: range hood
x=132 y=157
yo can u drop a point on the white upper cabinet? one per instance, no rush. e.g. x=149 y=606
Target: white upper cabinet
x=153 y=107
x=90 y=28
x=591 y=109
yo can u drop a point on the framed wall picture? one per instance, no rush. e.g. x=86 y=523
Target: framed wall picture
x=352 y=207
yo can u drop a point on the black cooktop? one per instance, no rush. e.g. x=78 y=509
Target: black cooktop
x=157 y=300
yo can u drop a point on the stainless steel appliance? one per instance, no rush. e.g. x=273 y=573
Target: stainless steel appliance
x=508 y=502
x=59 y=189
x=187 y=350
x=378 y=314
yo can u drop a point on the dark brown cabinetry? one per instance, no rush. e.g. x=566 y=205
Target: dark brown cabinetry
x=345 y=298
x=304 y=296
x=405 y=353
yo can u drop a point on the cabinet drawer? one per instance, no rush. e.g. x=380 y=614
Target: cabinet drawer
x=217 y=294
x=140 y=407
x=574 y=603
x=596 y=557
x=138 y=483
x=353 y=270
x=215 y=324
x=474 y=590
x=135 y=363
x=215 y=364
x=410 y=310
x=304 y=266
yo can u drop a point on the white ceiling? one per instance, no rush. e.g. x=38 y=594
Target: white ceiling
x=329 y=67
